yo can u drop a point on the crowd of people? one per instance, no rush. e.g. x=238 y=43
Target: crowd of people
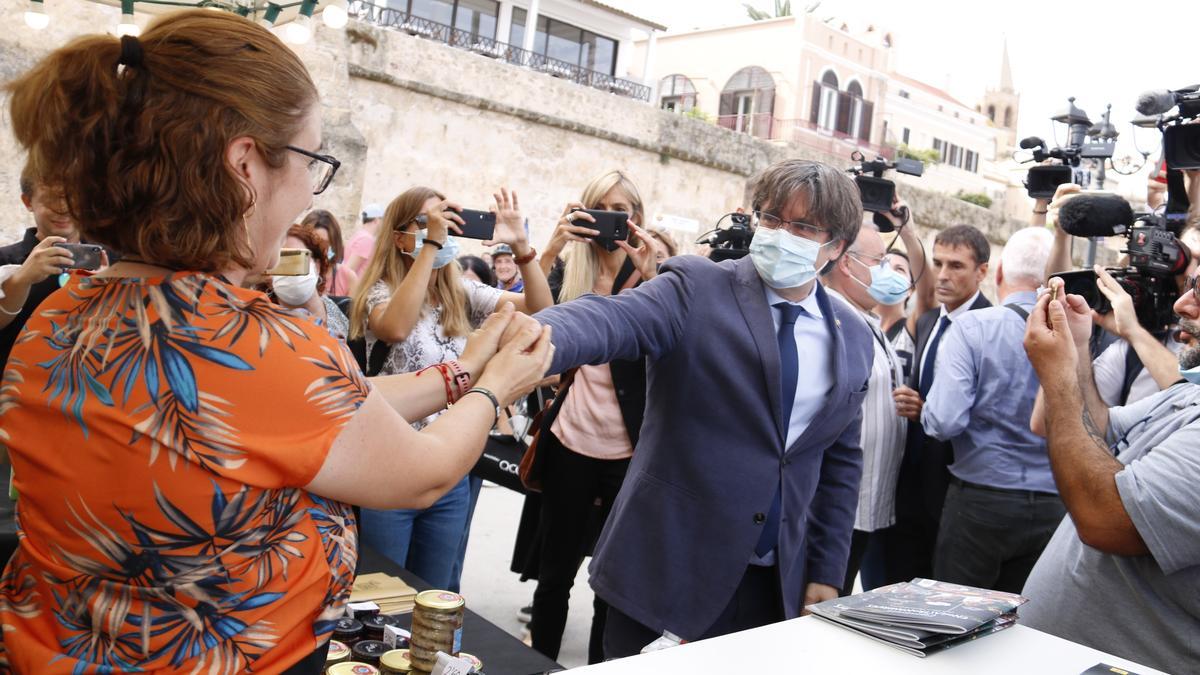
x=729 y=442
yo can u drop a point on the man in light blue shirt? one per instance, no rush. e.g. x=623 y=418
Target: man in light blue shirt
x=1002 y=505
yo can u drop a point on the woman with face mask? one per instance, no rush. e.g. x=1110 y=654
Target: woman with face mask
x=310 y=291
x=412 y=296
x=339 y=280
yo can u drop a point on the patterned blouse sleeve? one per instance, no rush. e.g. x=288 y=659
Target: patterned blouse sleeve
x=483 y=300
x=279 y=421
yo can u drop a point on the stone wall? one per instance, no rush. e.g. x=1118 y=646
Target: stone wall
x=401 y=110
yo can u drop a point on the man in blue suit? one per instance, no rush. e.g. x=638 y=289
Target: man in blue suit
x=739 y=503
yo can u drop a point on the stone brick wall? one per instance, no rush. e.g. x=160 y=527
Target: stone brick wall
x=400 y=111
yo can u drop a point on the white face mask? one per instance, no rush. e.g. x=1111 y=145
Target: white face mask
x=295 y=291
x=784 y=260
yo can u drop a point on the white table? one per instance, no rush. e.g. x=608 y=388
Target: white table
x=808 y=645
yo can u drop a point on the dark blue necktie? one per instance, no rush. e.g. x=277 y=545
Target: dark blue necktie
x=789 y=363
x=931 y=357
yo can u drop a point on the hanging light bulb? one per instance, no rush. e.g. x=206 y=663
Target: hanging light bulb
x=36 y=17
x=334 y=15
x=270 y=16
x=127 y=25
x=299 y=31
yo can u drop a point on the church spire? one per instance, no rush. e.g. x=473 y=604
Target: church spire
x=1006 y=81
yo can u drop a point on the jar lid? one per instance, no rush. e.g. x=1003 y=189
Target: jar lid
x=337 y=650
x=369 y=649
x=347 y=626
x=475 y=662
x=440 y=600
x=352 y=668
x=378 y=621
x=397 y=659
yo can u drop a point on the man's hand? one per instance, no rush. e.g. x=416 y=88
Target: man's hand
x=518 y=323
x=45 y=260
x=1122 y=321
x=908 y=403
x=1049 y=342
x=814 y=593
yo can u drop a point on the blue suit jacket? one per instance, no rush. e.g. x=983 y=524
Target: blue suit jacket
x=711 y=451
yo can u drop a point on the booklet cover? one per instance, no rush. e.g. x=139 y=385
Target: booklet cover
x=923 y=616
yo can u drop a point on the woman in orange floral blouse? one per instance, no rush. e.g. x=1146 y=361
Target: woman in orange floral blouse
x=184 y=449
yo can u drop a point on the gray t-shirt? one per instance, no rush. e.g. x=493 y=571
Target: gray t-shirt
x=1145 y=608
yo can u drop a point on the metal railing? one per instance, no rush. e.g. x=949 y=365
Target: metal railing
x=387 y=17
x=802 y=132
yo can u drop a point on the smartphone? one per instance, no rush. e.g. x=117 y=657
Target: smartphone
x=613 y=226
x=477 y=224
x=87 y=256
x=293 y=262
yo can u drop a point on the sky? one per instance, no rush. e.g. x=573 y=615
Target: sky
x=1099 y=52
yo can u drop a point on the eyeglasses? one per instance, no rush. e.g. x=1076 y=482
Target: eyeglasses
x=1191 y=285
x=868 y=260
x=321 y=168
x=796 y=227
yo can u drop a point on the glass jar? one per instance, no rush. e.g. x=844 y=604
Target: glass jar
x=348 y=631
x=369 y=651
x=437 y=621
x=352 y=668
x=338 y=653
x=395 y=662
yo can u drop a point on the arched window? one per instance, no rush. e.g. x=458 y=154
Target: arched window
x=825 y=101
x=992 y=113
x=676 y=93
x=748 y=102
x=854 y=129
x=1008 y=120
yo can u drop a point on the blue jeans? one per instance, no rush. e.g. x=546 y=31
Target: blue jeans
x=425 y=542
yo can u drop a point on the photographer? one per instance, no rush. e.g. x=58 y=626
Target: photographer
x=1122 y=573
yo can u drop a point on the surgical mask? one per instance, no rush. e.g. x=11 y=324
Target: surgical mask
x=295 y=291
x=1191 y=374
x=784 y=260
x=887 y=286
x=445 y=255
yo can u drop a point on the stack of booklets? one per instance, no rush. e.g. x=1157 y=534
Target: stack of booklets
x=391 y=593
x=923 y=616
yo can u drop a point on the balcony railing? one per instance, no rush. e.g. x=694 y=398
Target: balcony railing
x=802 y=132
x=387 y=17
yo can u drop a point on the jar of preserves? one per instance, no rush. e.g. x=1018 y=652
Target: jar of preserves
x=352 y=668
x=436 y=627
x=348 y=631
x=369 y=651
x=373 y=625
x=395 y=662
x=338 y=653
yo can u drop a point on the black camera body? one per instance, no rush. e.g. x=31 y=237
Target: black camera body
x=877 y=192
x=1156 y=258
x=729 y=243
x=1043 y=180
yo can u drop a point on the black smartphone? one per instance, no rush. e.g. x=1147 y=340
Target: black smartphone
x=613 y=226
x=86 y=256
x=477 y=224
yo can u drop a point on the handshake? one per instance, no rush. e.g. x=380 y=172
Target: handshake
x=509 y=354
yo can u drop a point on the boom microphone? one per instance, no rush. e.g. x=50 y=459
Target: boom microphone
x=1156 y=101
x=1032 y=142
x=1095 y=215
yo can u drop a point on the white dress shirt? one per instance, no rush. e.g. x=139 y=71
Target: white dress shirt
x=937 y=327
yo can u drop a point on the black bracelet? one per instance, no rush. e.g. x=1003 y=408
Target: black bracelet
x=1040 y=213
x=491 y=397
x=436 y=243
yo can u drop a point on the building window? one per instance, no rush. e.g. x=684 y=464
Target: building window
x=856 y=108
x=904 y=136
x=827 y=93
x=560 y=40
x=905 y=94
x=1008 y=120
x=477 y=17
x=972 y=162
x=748 y=102
x=937 y=145
x=992 y=113
x=676 y=93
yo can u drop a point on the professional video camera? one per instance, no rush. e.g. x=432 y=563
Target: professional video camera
x=1156 y=256
x=1041 y=181
x=877 y=192
x=729 y=243
x=1181 y=142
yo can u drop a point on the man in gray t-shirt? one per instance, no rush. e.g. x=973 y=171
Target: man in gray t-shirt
x=1122 y=572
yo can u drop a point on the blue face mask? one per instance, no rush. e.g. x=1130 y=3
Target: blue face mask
x=784 y=260
x=1191 y=374
x=445 y=255
x=888 y=286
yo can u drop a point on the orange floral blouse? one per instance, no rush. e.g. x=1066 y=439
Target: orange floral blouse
x=161 y=432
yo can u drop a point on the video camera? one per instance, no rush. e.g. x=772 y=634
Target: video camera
x=1042 y=181
x=1181 y=141
x=877 y=192
x=729 y=243
x=1156 y=256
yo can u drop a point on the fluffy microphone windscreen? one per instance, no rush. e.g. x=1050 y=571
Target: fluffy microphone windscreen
x=1095 y=215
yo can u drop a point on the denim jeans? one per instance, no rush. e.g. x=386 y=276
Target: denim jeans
x=426 y=542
